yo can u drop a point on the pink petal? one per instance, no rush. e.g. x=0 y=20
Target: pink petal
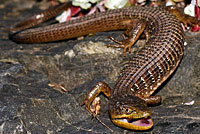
x=195 y=28
x=75 y=10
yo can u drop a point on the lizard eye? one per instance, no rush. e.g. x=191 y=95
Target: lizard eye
x=128 y=111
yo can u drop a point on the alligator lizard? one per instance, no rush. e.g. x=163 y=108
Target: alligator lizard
x=142 y=75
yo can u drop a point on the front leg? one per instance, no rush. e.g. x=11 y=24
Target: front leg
x=94 y=92
x=150 y=100
x=153 y=100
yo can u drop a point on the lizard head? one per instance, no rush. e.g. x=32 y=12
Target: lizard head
x=130 y=112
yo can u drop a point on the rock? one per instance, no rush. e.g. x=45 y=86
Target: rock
x=29 y=105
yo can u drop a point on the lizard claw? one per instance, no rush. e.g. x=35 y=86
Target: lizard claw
x=125 y=44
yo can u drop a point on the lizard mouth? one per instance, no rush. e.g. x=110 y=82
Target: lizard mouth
x=136 y=124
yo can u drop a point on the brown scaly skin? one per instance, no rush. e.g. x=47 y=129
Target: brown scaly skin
x=142 y=75
x=129 y=107
x=184 y=18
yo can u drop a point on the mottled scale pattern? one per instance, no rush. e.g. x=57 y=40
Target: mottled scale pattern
x=149 y=68
x=154 y=63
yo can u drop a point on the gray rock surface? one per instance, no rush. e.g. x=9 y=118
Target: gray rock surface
x=29 y=105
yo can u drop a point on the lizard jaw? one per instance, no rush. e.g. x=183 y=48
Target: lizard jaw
x=144 y=123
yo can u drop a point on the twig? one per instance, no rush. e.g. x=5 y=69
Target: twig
x=103 y=123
